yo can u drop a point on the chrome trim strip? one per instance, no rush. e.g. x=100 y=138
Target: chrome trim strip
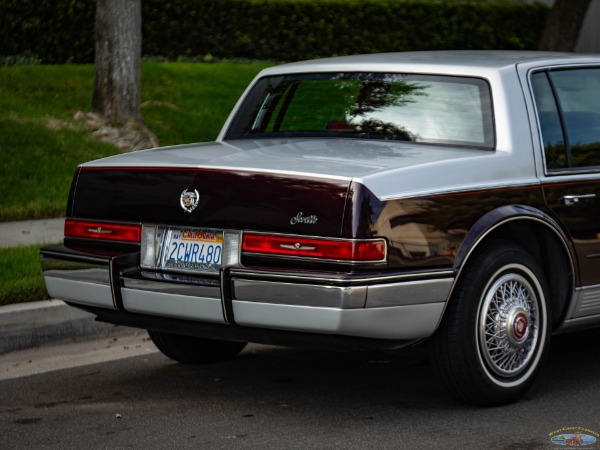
x=299 y=294
x=572 y=171
x=115 y=286
x=409 y=293
x=587 y=302
x=400 y=322
x=579 y=323
x=342 y=279
x=162 y=277
x=103 y=165
x=83 y=274
x=315 y=260
x=188 y=290
x=49 y=255
x=343 y=297
x=464 y=190
x=226 y=292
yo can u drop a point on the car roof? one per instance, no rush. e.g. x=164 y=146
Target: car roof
x=437 y=61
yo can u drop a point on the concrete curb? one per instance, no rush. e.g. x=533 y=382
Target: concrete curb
x=36 y=324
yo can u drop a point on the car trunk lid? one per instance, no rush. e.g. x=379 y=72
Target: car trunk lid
x=227 y=199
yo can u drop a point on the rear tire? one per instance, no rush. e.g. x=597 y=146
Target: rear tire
x=495 y=334
x=194 y=350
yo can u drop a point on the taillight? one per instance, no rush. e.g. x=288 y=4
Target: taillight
x=347 y=250
x=101 y=230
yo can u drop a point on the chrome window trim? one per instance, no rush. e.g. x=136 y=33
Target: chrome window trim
x=540 y=140
x=572 y=171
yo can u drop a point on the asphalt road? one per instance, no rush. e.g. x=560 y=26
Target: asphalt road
x=124 y=394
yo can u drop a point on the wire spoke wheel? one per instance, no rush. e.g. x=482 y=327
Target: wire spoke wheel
x=495 y=334
x=508 y=330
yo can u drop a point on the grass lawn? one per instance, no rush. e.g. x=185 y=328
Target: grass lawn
x=21 y=275
x=41 y=144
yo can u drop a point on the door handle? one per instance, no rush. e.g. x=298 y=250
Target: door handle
x=569 y=200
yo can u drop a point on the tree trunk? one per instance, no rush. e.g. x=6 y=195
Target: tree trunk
x=563 y=25
x=116 y=100
x=117 y=62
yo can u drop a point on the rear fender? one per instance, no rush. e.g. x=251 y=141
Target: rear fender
x=495 y=219
x=541 y=236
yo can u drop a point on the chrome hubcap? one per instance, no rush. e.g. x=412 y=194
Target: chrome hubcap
x=517 y=325
x=509 y=325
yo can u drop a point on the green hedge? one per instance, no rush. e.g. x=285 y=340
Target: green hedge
x=54 y=31
x=59 y=31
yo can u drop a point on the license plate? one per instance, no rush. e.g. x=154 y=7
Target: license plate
x=192 y=249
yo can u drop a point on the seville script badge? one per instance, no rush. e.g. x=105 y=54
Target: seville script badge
x=189 y=200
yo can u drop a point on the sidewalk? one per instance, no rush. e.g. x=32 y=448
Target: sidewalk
x=30 y=232
x=34 y=324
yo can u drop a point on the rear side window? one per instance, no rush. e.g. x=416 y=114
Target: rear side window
x=568 y=105
x=408 y=107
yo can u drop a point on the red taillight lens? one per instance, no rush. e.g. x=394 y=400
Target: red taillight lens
x=101 y=230
x=331 y=249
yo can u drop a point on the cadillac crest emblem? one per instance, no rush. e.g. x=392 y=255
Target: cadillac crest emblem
x=189 y=200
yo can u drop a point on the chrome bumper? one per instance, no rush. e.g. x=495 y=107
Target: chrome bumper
x=407 y=307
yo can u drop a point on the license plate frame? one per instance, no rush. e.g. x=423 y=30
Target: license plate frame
x=190 y=250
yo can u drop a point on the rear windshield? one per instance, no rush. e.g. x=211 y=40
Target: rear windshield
x=406 y=107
